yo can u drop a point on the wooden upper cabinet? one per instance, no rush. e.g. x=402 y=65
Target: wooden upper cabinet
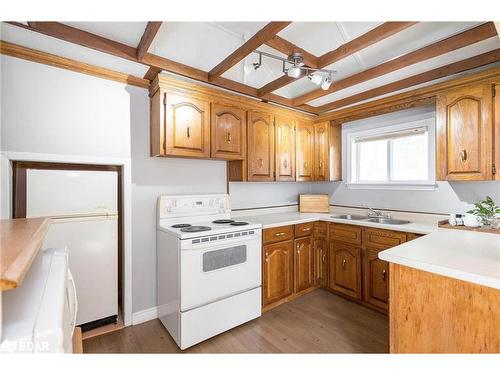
x=465 y=134
x=321 y=152
x=260 y=147
x=277 y=271
x=305 y=151
x=285 y=149
x=229 y=130
x=187 y=126
x=303 y=264
x=496 y=131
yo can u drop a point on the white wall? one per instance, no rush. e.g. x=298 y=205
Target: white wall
x=446 y=198
x=48 y=110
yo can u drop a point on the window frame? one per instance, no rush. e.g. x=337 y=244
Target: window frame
x=353 y=183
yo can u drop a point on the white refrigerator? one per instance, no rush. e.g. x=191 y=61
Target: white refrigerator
x=84 y=208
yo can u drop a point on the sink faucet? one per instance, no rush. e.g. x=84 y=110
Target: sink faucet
x=374 y=213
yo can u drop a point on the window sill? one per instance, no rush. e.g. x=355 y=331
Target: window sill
x=391 y=186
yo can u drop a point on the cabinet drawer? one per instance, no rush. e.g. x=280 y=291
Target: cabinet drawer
x=383 y=239
x=305 y=229
x=277 y=234
x=320 y=229
x=345 y=233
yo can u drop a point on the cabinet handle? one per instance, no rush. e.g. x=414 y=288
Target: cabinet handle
x=279 y=234
x=343 y=263
x=285 y=252
x=228 y=139
x=285 y=164
x=324 y=258
x=261 y=163
x=306 y=229
x=267 y=258
x=463 y=155
x=188 y=132
x=320 y=164
x=383 y=274
x=305 y=165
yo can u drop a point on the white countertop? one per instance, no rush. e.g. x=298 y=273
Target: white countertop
x=460 y=254
x=289 y=218
x=464 y=255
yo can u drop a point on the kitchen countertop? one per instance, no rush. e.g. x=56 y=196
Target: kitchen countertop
x=289 y=218
x=463 y=255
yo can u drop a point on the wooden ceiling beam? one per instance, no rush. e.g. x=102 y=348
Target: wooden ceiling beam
x=287 y=48
x=261 y=37
x=152 y=73
x=84 y=38
x=443 y=71
x=147 y=38
x=466 y=38
x=371 y=37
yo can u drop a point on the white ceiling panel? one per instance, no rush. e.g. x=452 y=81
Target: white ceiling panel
x=240 y=29
x=198 y=44
x=270 y=69
x=76 y=52
x=448 y=58
x=410 y=39
x=128 y=33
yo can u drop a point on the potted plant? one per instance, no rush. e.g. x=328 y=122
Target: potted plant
x=486 y=210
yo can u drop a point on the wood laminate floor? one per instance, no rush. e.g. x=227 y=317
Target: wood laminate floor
x=318 y=322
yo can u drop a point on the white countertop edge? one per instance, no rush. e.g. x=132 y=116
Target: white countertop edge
x=441 y=270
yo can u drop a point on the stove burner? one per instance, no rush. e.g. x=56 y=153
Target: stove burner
x=181 y=225
x=238 y=223
x=223 y=221
x=195 y=228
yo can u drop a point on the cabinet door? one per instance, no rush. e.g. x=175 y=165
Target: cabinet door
x=285 y=149
x=229 y=127
x=320 y=262
x=376 y=279
x=303 y=264
x=304 y=145
x=345 y=269
x=496 y=131
x=277 y=271
x=260 y=147
x=321 y=152
x=464 y=134
x=187 y=126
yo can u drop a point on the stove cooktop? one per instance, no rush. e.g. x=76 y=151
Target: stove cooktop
x=195 y=228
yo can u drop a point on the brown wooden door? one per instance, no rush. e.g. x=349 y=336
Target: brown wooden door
x=345 y=269
x=187 y=126
x=303 y=264
x=285 y=149
x=376 y=279
x=321 y=152
x=305 y=147
x=464 y=134
x=277 y=270
x=229 y=128
x=260 y=147
x=320 y=262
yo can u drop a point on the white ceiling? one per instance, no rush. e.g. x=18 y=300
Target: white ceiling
x=205 y=44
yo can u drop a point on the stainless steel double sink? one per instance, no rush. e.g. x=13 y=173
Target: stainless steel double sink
x=380 y=220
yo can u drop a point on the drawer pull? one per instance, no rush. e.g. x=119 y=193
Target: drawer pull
x=306 y=229
x=383 y=274
x=279 y=234
x=463 y=155
x=344 y=263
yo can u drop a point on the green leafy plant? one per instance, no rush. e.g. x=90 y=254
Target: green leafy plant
x=486 y=210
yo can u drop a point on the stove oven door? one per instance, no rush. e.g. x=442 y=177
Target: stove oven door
x=214 y=271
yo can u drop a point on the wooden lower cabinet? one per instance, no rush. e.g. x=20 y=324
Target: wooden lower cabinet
x=303 y=264
x=320 y=249
x=277 y=272
x=345 y=269
x=376 y=279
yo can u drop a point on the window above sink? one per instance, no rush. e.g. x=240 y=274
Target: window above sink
x=398 y=156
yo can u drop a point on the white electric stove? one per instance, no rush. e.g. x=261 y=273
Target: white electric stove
x=209 y=267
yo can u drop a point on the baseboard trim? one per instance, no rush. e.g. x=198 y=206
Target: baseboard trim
x=144 y=315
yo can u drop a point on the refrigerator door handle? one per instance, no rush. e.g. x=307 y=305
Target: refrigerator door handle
x=72 y=300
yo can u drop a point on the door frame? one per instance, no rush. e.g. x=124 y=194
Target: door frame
x=60 y=161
